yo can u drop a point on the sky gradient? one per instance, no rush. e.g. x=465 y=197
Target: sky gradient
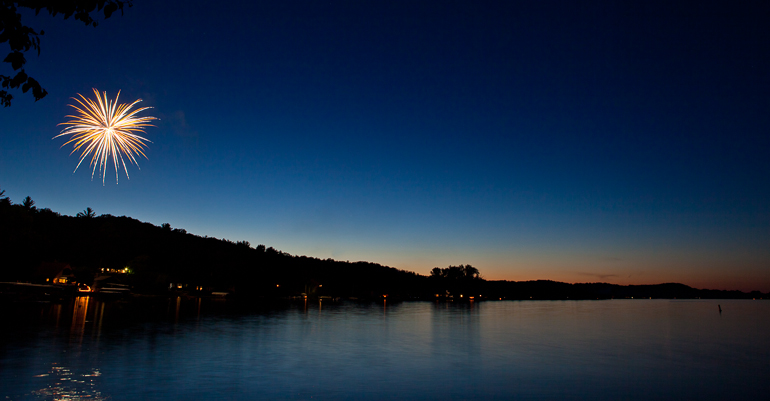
x=534 y=140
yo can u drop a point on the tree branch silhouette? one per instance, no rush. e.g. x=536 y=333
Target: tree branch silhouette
x=22 y=38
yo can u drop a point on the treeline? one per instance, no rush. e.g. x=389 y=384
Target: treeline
x=554 y=290
x=159 y=256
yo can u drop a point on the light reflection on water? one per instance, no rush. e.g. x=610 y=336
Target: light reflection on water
x=63 y=384
x=188 y=349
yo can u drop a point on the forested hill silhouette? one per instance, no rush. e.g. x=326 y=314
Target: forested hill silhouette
x=155 y=257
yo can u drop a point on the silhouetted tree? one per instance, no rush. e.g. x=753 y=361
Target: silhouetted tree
x=453 y=279
x=461 y=272
x=88 y=213
x=470 y=272
x=22 y=38
x=47 y=212
x=4 y=200
x=166 y=226
x=28 y=203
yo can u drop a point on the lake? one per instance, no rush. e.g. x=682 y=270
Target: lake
x=197 y=349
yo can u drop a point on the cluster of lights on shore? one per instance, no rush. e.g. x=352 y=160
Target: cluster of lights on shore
x=106 y=129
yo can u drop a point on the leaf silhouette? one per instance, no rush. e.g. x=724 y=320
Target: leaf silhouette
x=16 y=59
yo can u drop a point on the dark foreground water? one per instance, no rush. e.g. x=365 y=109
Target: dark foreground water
x=201 y=350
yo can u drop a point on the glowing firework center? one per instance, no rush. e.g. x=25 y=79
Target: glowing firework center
x=104 y=130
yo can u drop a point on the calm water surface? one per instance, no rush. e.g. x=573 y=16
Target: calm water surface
x=187 y=350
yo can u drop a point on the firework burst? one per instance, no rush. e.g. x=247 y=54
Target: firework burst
x=104 y=130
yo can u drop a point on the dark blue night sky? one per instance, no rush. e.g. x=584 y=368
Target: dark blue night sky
x=612 y=141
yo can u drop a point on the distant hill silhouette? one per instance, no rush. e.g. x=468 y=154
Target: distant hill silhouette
x=159 y=257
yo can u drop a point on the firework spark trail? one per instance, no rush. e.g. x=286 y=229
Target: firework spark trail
x=106 y=129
